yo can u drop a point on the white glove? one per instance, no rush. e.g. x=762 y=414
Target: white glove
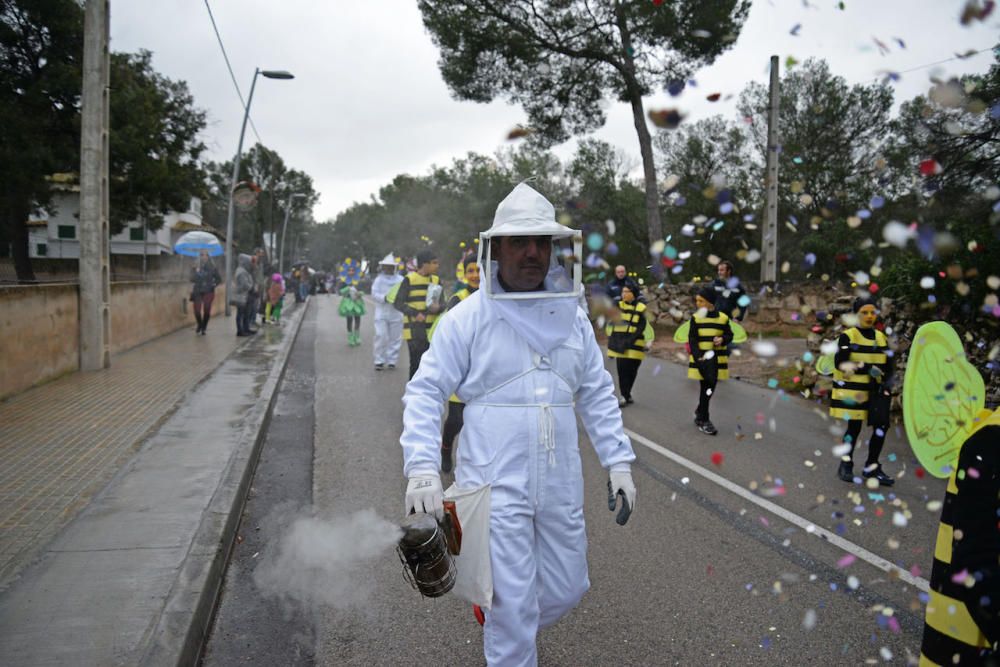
x=622 y=481
x=424 y=493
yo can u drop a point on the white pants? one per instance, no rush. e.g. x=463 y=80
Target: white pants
x=388 y=340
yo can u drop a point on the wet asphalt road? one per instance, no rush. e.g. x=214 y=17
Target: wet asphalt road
x=700 y=575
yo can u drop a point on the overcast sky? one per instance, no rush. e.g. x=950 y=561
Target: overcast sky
x=368 y=102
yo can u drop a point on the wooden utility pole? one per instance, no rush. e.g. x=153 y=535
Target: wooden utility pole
x=769 y=245
x=95 y=236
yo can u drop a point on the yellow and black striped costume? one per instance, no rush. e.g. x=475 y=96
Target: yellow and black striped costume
x=849 y=399
x=632 y=327
x=411 y=298
x=962 y=624
x=700 y=339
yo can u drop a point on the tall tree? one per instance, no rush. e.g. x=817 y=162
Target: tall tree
x=155 y=142
x=834 y=138
x=41 y=46
x=560 y=58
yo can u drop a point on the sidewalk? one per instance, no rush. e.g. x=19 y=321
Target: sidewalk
x=120 y=492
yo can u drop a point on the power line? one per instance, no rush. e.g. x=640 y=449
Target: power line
x=964 y=56
x=230 y=68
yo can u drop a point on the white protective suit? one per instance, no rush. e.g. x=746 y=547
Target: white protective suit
x=388 y=320
x=520 y=366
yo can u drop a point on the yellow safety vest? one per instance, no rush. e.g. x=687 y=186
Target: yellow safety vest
x=632 y=314
x=417 y=300
x=849 y=399
x=707 y=328
x=949 y=628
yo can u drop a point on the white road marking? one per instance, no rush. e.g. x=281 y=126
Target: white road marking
x=791 y=517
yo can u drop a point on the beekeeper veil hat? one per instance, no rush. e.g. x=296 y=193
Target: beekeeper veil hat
x=388 y=260
x=525 y=212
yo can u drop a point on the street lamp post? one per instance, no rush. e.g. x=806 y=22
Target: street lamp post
x=284 y=228
x=270 y=74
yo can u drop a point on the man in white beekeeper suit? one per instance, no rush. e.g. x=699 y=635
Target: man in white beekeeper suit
x=388 y=320
x=520 y=354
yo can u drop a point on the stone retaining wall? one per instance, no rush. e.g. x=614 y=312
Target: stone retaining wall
x=39 y=325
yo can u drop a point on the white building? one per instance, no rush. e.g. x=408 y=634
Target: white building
x=56 y=235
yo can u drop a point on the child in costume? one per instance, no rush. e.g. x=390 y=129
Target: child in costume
x=709 y=336
x=862 y=379
x=955 y=436
x=352 y=307
x=629 y=336
x=275 y=299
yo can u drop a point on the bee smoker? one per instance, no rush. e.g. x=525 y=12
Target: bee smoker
x=426 y=549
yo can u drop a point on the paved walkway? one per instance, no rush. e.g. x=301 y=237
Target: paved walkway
x=60 y=443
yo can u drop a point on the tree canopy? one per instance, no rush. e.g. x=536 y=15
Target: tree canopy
x=560 y=59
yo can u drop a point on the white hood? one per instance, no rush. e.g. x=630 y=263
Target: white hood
x=545 y=318
x=524 y=212
x=388 y=260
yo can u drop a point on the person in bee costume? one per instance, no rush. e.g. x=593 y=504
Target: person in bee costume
x=862 y=380
x=419 y=298
x=630 y=335
x=521 y=354
x=954 y=436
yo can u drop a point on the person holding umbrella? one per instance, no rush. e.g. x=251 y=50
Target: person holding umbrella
x=204 y=276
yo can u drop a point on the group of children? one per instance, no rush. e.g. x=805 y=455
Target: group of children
x=862 y=375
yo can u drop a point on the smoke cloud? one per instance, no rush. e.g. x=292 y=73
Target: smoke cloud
x=324 y=562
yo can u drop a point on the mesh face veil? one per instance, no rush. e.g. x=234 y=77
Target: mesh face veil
x=524 y=212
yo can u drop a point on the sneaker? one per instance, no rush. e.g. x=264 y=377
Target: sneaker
x=392 y=367
x=378 y=367
x=846 y=471
x=477 y=611
x=446 y=463
x=698 y=421
x=709 y=428
x=879 y=474
x=628 y=400
x=621 y=402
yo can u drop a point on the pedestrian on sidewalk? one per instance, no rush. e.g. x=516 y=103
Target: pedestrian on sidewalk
x=352 y=307
x=630 y=336
x=388 y=320
x=521 y=354
x=709 y=336
x=453 y=423
x=204 y=278
x=275 y=299
x=242 y=286
x=419 y=299
x=862 y=389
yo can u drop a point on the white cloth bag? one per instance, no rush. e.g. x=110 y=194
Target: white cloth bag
x=474 y=574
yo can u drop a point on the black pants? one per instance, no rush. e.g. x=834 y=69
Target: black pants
x=709 y=370
x=875 y=443
x=356 y=321
x=627 y=370
x=453 y=424
x=417 y=346
x=241 y=319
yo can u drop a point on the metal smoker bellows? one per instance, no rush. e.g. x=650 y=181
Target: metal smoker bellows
x=426 y=549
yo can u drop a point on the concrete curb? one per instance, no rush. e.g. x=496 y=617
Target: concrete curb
x=182 y=629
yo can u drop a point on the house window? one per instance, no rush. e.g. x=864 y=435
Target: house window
x=135 y=233
x=66 y=231
x=42 y=249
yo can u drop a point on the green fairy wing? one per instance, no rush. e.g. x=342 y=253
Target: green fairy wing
x=681 y=335
x=943 y=395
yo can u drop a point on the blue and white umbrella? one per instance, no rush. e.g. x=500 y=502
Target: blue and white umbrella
x=193 y=243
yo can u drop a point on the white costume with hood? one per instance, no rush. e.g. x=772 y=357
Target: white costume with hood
x=388 y=320
x=521 y=365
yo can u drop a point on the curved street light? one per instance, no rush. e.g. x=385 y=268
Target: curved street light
x=268 y=74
